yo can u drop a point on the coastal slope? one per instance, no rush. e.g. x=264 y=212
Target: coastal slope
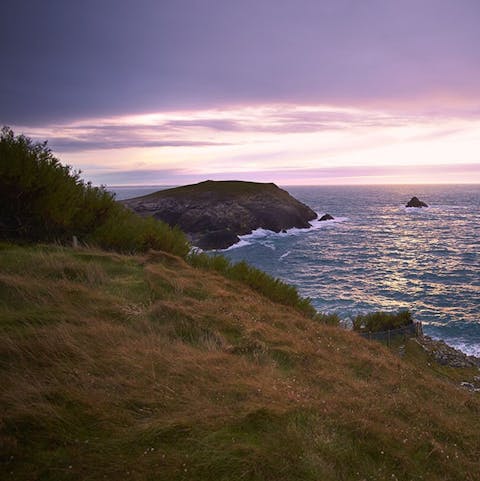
x=215 y=213
x=146 y=368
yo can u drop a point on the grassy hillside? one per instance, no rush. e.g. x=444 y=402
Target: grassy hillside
x=145 y=368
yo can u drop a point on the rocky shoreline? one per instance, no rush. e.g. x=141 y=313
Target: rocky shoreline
x=447 y=355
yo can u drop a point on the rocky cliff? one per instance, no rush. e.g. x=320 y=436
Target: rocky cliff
x=215 y=213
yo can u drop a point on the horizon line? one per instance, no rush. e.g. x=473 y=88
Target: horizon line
x=296 y=185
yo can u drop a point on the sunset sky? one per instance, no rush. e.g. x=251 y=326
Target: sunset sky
x=294 y=92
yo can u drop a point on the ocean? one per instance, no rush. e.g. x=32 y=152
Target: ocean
x=379 y=255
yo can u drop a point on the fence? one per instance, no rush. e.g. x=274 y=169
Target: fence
x=414 y=329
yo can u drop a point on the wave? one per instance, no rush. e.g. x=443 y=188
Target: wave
x=261 y=235
x=316 y=224
x=269 y=244
x=467 y=348
x=319 y=224
x=417 y=210
x=241 y=243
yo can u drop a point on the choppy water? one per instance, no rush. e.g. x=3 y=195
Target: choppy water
x=379 y=255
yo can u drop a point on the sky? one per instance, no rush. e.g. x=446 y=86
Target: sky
x=171 y=92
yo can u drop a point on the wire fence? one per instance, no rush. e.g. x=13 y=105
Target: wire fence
x=415 y=329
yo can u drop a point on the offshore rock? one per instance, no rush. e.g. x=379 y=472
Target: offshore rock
x=326 y=217
x=416 y=202
x=214 y=213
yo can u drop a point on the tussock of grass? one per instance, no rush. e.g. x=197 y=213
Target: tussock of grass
x=155 y=382
x=275 y=289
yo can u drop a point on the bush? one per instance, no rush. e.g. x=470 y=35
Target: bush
x=382 y=321
x=124 y=231
x=330 y=319
x=43 y=200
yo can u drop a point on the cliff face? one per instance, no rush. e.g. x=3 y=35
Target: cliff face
x=214 y=214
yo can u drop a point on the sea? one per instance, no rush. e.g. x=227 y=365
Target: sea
x=379 y=255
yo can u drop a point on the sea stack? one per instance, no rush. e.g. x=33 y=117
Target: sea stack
x=213 y=214
x=416 y=202
x=326 y=217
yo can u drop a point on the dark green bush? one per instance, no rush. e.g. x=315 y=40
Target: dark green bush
x=331 y=319
x=382 y=321
x=43 y=200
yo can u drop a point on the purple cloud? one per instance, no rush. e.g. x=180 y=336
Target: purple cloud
x=92 y=59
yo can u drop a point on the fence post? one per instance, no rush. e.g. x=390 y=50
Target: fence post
x=417 y=330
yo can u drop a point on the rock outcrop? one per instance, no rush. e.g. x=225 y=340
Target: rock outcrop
x=447 y=355
x=416 y=202
x=326 y=217
x=213 y=214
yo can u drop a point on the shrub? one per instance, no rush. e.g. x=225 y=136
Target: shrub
x=43 y=200
x=382 y=321
x=124 y=231
x=330 y=319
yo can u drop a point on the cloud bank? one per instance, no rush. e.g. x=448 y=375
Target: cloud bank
x=272 y=142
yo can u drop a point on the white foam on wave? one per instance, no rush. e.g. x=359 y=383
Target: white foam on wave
x=460 y=344
x=319 y=224
x=315 y=224
x=285 y=255
x=469 y=349
x=265 y=234
x=268 y=244
x=416 y=210
x=241 y=243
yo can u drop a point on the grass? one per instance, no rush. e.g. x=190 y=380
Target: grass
x=275 y=289
x=145 y=367
x=224 y=188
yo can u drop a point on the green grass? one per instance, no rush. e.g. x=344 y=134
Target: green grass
x=275 y=289
x=147 y=368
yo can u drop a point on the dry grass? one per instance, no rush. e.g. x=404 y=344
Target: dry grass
x=145 y=368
